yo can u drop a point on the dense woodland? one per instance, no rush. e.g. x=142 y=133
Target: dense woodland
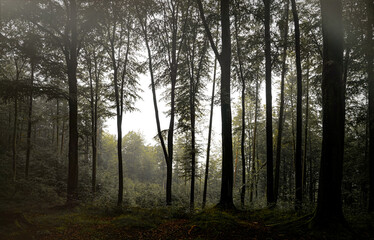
x=301 y=151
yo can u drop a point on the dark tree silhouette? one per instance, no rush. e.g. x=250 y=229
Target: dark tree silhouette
x=329 y=204
x=226 y=200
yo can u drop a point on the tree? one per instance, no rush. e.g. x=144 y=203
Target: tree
x=370 y=73
x=237 y=23
x=143 y=13
x=94 y=58
x=69 y=42
x=120 y=44
x=224 y=58
x=269 y=124
x=209 y=134
x=329 y=205
x=169 y=31
x=284 y=30
x=71 y=56
x=298 y=152
x=30 y=46
x=194 y=68
x=176 y=40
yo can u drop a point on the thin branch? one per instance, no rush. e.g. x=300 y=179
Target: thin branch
x=207 y=30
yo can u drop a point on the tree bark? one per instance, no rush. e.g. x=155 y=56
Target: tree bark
x=62 y=134
x=14 y=140
x=93 y=106
x=209 y=135
x=299 y=113
x=57 y=124
x=281 y=108
x=173 y=80
x=305 y=158
x=29 y=121
x=329 y=205
x=71 y=61
x=226 y=200
x=269 y=119
x=15 y=126
x=254 y=145
x=242 y=79
x=370 y=71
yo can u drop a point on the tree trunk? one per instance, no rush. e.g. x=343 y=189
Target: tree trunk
x=311 y=179
x=269 y=119
x=209 y=135
x=193 y=150
x=119 y=134
x=173 y=79
x=144 y=26
x=299 y=113
x=306 y=127
x=93 y=103
x=10 y=135
x=14 y=139
x=226 y=200
x=254 y=145
x=57 y=124
x=28 y=147
x=369 y=56
x=329 y=206
x=241 y=76
x=62 y=135
x=281 y=108
x=71 y=61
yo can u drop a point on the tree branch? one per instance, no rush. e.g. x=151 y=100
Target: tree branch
x=207 y=30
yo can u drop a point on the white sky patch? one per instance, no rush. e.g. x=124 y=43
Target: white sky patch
x=144 y=121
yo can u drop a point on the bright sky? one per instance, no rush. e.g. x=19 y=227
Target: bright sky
x=143 y=121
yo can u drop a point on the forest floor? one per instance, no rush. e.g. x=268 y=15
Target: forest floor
x=95 y=223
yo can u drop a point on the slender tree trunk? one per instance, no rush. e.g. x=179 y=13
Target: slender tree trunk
x=53 y=129
x=241 y=76
x=71 y=61
x=299 y=113
x=14 y=143
x=254 y=144
x=311 y=179
x=62 y=136
x=119 y=138
x=306 y=127
x=20 y=131
x=28 y=148
x=169 y=165
x=369 y=56
x=193 y=150
x=209 y=135
x=93 y=103
x=15 y=126
x=173 y=79
x=10 y=125
x=269 y=117
x=57 y=124
x=329 y=206
x=281 y=109
x=144 y=26
x=194 y=85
